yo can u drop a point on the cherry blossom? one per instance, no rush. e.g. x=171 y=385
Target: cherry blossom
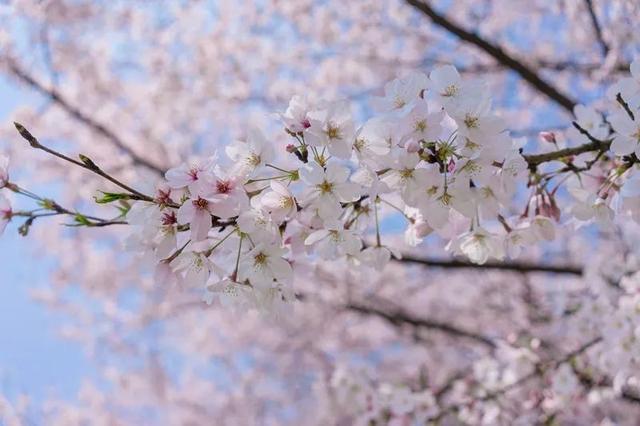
x=5 y=213
x=4 y=170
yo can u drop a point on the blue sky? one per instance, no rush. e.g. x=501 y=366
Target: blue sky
x=33 y=359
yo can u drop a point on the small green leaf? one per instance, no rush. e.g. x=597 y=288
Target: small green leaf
x=110 y=197
x=82 y=220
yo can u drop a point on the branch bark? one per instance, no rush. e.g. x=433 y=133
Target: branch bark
x=597 y=28
x=399 y=317
x=81 y=117
x=497 y=53
x=522 y=267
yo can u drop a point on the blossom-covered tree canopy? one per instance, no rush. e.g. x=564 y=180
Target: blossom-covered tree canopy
x=404 y=212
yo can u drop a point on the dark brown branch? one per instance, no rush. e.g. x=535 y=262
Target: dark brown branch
x=399 y=317
x=497 y=53
x=594 y=146
x=590 y=382
x=74 y=112
x=503 y=266
x=596 y=27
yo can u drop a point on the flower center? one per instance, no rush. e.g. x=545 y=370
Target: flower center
x=201 y=203
x=406 y=173
x=223 y=186
x=333 y=131
x=169 y=218
x=260 y=259
x=286 y=202
x=325 y=187
x=398 y=102
x=421 y=126
x=450 y=90
x=163 y=197
x=470 y=121
x=335 y=236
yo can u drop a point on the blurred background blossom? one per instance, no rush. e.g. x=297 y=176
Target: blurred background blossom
x=140 y=86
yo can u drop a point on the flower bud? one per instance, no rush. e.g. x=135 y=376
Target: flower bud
x=548 y=137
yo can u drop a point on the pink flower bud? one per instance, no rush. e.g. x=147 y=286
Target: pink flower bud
x=451 y=166
x=291 y=148
x=548 y=137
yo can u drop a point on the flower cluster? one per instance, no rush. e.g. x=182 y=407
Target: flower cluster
x=435 y=149
x=435 y=152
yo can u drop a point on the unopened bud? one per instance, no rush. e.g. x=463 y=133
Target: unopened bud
x=451 y=166
x=548 y=137
x=88 y=162
x=26 y=135
x=291 y=148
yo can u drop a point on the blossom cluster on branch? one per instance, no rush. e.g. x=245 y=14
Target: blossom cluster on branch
x=435 y=152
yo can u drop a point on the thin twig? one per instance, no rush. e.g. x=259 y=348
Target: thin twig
x=86 y=163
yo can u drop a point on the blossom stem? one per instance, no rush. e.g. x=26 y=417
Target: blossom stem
x=219 y=243
x=268 y=178
x=375 y=207
x=234 y=276
x=393 y=206
x=278 y=168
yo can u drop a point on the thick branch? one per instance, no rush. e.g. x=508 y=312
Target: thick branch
x=399 y=318
x=503 y=266
x=73 y=111
x=497 y=53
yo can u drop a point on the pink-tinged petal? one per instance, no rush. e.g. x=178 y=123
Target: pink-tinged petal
x=3 y=225
x=280 y=188
x=622 y=124
x=328 y=208
x=347 y=192
x=316 y=236
x=200 y=225
x=623 y=145
x=178 y=178
x=312 y=174
x=336 y=173
x=271 y=200
x=436 y=215
x=340 y=149
x=444 y=76
x=4 y=204
x=225 y=207
x=281 y=269
x=186 y=212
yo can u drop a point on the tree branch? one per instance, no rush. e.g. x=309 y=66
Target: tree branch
x=596 y=27
x=497 y=53
x=74 y=112
x=503 y=266
x=399 y=317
